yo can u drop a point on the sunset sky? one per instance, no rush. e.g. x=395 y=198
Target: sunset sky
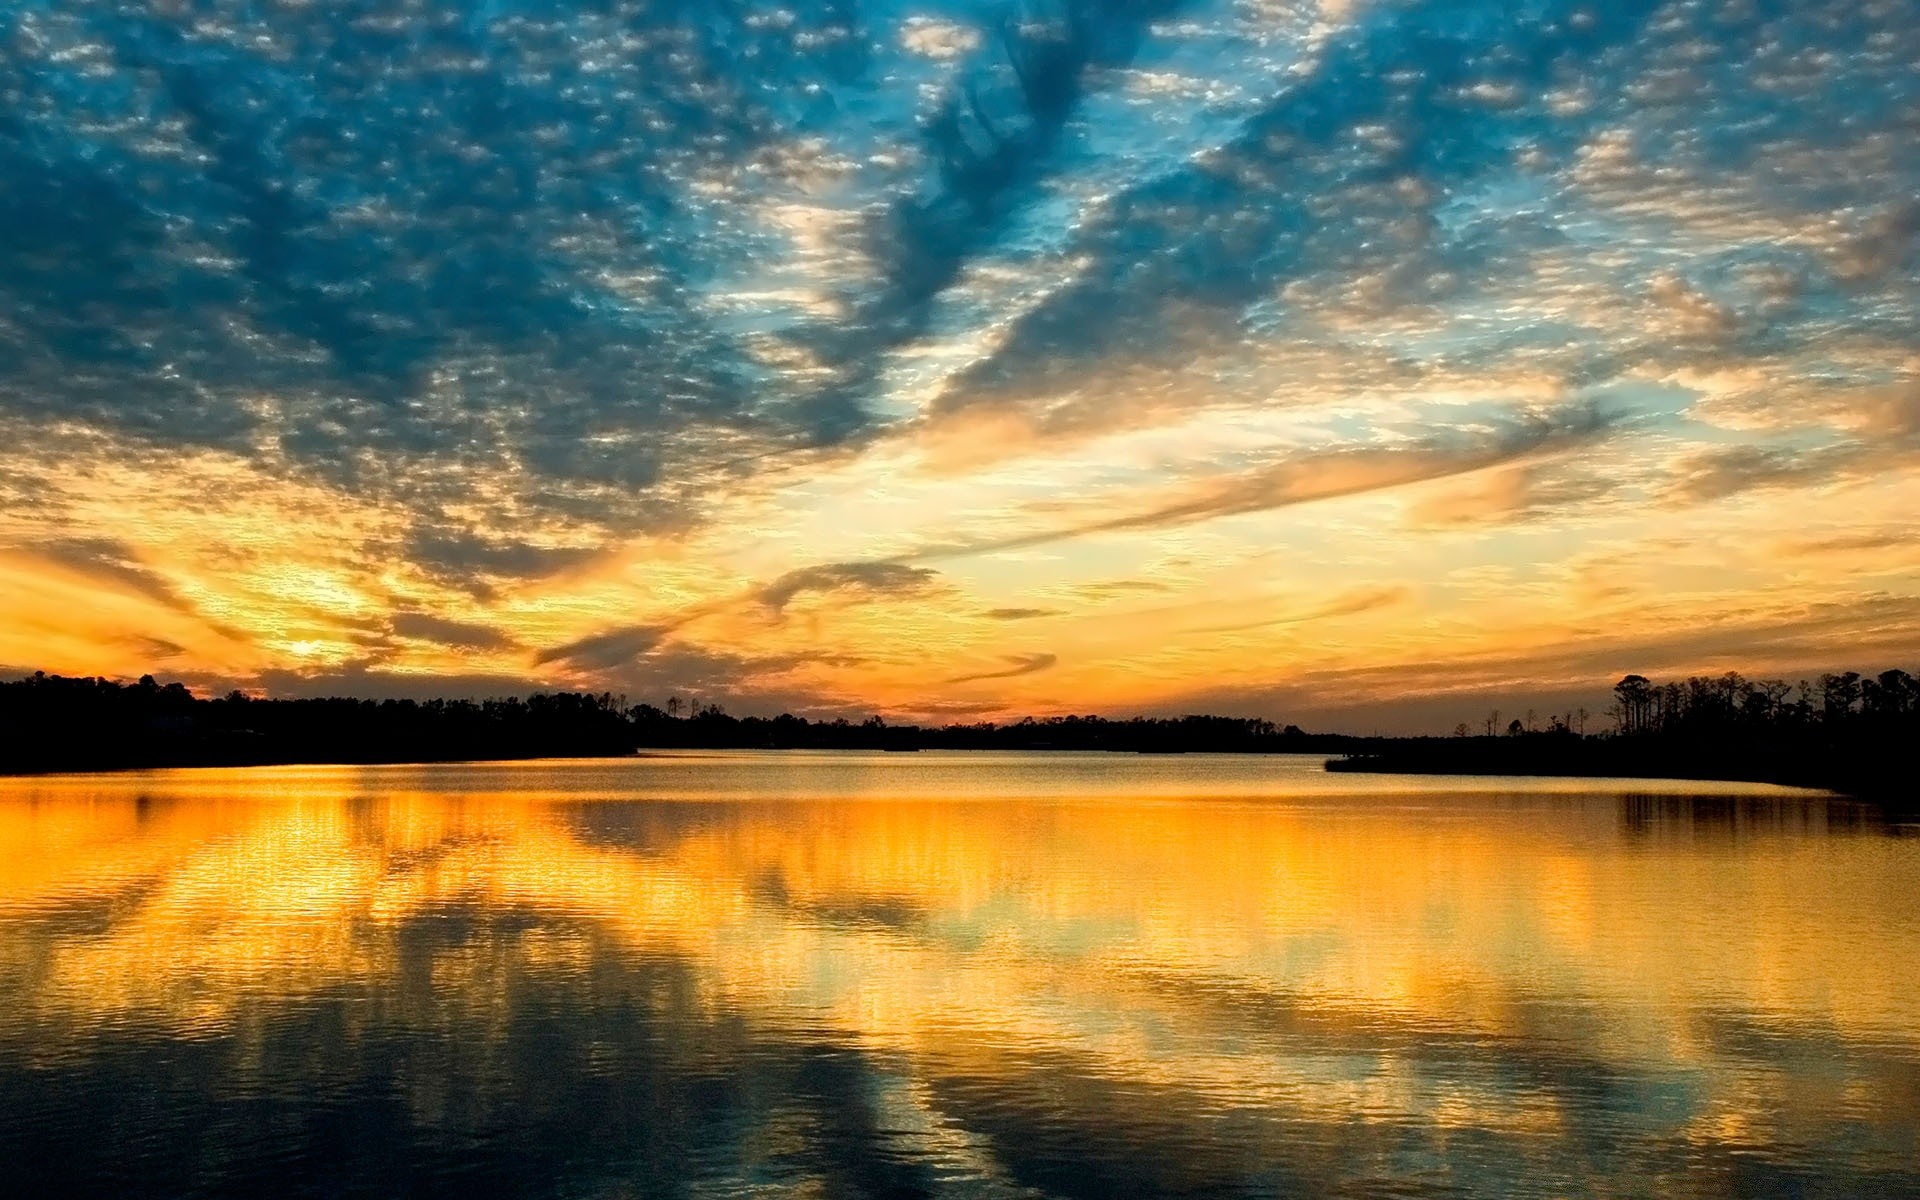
x=1363 y=365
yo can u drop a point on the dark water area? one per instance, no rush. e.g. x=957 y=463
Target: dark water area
x=950 y=975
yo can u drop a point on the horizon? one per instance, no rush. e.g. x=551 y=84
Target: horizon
x=1490 y=721
x=1369 y=364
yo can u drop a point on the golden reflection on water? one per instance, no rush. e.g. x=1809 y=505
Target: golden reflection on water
x=1236 y=935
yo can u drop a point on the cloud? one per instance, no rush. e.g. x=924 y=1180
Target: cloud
x=297 y=243
x=648 y=644
x=988 y=145
x=1885 y=245
x=1019 y=664
x=398 y=254
x=513 y=287
x=1109 y=588
x=1305 y=478
x=1897 y=538
x=368 y=680
x=871 y=579
x=155 y=649
x=1339 y=177
x=1351 y=604
x=459 y=634
x=468 y=556
x=1528 y=492
x=938 y=39
x=112 y=561
x=1019 y=614
x=650 y=660
x=606 y=650
x=1690 y=311
x=1715 y=474
x=761 y=681
x=1324 y=475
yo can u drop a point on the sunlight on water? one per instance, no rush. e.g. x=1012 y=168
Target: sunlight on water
x=977 y=975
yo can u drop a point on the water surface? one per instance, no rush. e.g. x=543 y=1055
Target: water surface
x=950 y=975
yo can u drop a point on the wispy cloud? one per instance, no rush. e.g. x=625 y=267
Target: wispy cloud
x=608 y=649
x=465 y=635
x=597 y=345
x=1363 y=600
x=1295 y=479
x=115 y=563
x=1017 y=665
x=1106 y=589
x=871 y=579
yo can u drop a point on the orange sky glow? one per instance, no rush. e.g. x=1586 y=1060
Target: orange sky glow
x=1355 y=365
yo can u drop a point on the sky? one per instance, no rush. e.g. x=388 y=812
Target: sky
x=1363 y=365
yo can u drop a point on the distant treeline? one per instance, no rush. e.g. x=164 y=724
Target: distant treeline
x=1845 y=705
x=1847 y=731
x=51 y=723
x=713 y=727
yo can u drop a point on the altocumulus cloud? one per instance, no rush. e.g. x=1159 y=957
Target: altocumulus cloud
x=1017 y=665
x=400 y=246
x=526 y=280
x=872 y=579
x=609 y=649
x=465 y=635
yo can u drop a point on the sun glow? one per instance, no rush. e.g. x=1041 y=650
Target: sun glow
x=1482 y=389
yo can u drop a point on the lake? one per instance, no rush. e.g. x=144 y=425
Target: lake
x=946 y=974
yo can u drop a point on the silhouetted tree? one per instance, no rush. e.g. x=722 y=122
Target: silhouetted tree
x=1838 y=695
x=1634 y=700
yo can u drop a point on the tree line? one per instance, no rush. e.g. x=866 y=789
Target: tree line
x=1845 y=731
x=1731 y=704
x=52 y=722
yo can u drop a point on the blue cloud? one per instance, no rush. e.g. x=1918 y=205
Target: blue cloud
x=988 y=144
x=1344 y=172
x=403 y=246
x=416 y=229
x=1426 y=151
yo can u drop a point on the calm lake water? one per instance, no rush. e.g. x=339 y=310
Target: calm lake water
x=844 y=975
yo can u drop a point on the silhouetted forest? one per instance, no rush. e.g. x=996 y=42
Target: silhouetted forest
x=52 y=723
x=1846 y=731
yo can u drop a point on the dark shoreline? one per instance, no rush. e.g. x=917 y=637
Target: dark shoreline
x=1877 y=778
x=1356 y=755
x=216 y=761
x=1854 y=741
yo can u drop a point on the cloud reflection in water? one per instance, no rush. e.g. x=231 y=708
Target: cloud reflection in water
x=694 y=975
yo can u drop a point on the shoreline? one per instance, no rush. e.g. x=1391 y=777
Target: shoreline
x=1386 y=756
x=1872 y=781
